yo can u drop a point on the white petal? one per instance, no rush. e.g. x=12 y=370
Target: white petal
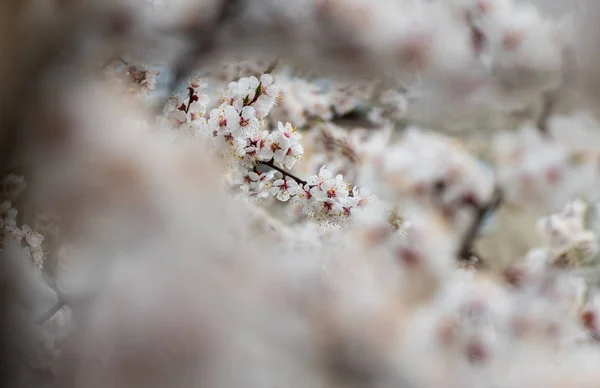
x=266 y=79
x=248 y=112
x=283 y=196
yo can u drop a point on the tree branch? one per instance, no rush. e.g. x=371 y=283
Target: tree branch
x=284 y=172
x=466 y=247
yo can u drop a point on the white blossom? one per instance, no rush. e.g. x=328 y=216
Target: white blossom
x=284 y=189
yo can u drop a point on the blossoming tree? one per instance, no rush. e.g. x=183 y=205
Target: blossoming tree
x=308 y=203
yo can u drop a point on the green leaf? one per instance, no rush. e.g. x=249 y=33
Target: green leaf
x=258 y=91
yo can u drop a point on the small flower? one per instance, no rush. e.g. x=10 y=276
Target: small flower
x=248 y=121
x=317 y=180
x=224 y=120
x=253 y=183
x=284 y=189
x=257 y=142
x=288 y=131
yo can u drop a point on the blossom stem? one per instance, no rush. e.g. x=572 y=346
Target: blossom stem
x=284 y=172
x=466 y=247
x=187 y=108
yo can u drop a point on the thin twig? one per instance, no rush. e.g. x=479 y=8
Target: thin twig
x=123 y=61
x=112 y=59
x=191 y=92
x=466 y=247
x=284 y=172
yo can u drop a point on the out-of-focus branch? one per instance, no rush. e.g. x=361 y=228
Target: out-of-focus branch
x=203 y=43
x=549 y=101
x=272 y=66
x=466 y=247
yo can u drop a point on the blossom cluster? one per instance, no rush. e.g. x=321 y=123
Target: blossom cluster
x=260 y=160
x=546 y=170
x=136 y=79
x=433 y=170
x=186 y=114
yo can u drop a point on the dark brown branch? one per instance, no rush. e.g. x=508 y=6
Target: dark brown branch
x=284 y=172
x=191 y=94
x=466 y=247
